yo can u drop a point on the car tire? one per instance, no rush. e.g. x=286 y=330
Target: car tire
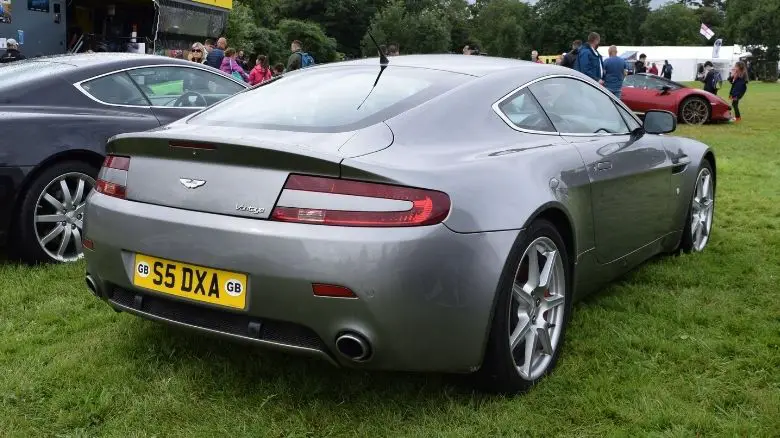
x=39 y=219
x=695 y=111
x=701 y=211
x=526 y=316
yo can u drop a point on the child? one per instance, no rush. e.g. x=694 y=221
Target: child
x=278 y=69
x=738 y=79
x=261 y=72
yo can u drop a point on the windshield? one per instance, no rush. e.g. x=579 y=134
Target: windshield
x=331 y=99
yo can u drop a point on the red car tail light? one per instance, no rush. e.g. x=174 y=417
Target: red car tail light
x=113 y=176
x=426 y=207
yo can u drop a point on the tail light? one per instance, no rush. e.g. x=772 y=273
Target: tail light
x=331 y=201
x=112 y=179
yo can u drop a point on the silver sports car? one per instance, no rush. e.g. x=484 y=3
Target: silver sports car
x=433 y=213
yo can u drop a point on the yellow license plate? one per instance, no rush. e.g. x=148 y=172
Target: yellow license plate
x=196 y=283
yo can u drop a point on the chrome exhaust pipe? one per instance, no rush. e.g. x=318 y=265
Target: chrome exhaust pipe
x=353 y=346
x=92 y=285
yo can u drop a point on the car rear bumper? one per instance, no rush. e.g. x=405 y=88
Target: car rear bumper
x=425 y=294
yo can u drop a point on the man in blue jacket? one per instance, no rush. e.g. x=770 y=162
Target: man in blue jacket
x=215 y=56
x=589 y=59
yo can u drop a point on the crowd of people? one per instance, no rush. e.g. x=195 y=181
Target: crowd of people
x=235 y=64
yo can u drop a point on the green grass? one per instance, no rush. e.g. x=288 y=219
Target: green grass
x=684 y=346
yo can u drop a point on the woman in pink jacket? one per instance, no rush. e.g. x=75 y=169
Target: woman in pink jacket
x=261 y=72
x=231 y=67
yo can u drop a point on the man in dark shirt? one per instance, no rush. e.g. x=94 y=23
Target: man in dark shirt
x=712 y=79
x=639 y=66
x=12 y=52
x=216 y=55
x=294 y=61
x=570 y=60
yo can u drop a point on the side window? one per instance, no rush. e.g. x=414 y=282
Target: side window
x=183 y=86
x=628 y=118
x=575 y=107
x=524 y=111
x=117 y=89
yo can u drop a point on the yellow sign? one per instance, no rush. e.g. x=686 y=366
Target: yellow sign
x=192 y=282
x=226 y=4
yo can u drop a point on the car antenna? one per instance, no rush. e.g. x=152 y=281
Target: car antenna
x=382 y=56
x=383 y=62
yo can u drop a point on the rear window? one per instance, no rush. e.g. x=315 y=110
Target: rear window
x=331 y=99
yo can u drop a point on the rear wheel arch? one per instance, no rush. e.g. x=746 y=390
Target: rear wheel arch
x=92 y=158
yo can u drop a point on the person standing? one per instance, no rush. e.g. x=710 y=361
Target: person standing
x=197 y=53
x=393 y=50
x=653 y=70
x=589 y=58
x=231 y=67
x=261 y=72
x=640 y=66
x=535 y=57
x=614 y=72
x=712 y=79
x=12 y=52
x=300 y=59
x=666 y=70
x=217 y=54
x=571 y=58
x=739 y=80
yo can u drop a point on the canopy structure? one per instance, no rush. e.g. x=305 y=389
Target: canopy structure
x=684 y=59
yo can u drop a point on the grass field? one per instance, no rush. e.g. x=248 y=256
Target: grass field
x=685 y=346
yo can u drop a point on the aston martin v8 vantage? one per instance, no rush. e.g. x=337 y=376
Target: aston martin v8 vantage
x=433 y=213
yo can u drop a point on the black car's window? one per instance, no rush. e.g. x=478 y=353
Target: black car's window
x=576 y=107
x=628 y=118
x=116 y=89
x=333 y=99
x=524 y=112
x=183 y=86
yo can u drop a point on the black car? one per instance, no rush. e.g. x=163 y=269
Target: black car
x=57 y=114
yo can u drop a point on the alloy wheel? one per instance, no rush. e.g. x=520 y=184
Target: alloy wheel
x=702 y=210
x=59 y=216
x=536 y=318
x=695 y=112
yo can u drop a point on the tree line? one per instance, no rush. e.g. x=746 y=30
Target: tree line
x=338 y=29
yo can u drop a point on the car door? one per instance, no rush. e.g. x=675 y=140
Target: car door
x=629 y=171
x=635 y=93
x=176 y=91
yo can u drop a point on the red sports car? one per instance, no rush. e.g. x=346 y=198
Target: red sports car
x=644 y=92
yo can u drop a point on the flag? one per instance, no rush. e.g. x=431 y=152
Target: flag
x=716 y=47
x=706 y=31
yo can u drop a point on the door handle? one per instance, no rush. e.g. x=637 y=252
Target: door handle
x=680 y=162
x=604 y=165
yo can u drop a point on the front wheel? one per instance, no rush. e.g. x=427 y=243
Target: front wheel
x=695 y=111
x=531 y=315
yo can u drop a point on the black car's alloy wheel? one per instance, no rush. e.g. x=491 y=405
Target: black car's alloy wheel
x=51 y=218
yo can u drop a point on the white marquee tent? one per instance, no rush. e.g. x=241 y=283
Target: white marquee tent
x=684 y=59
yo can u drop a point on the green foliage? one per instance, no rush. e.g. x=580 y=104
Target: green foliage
x=562 y=21
x=755 y=23
x=503 y=27
x=672 y=25
x=240 y=28
x=315 y=42
x=426 y=31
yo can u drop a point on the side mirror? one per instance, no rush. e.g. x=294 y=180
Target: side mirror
x=660 y=122
x=665 y=89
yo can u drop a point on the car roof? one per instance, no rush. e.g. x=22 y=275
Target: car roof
x=105 y=58
x=474 y=65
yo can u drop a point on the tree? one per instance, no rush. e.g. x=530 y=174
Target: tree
x=240 y=27
x=562 y=21
x=673 y=24
x=640 y=9
x=755 y=23
x=425 y=32
x=503 y=27
x=315 y=41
